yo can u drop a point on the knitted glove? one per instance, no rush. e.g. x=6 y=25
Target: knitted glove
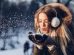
x=37 y=38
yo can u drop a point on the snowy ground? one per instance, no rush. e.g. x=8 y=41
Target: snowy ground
x=19 y=48
x=15 y=52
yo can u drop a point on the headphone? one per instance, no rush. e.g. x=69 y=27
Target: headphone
x=55 y=22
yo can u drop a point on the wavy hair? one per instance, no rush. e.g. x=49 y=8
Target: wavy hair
x=62 y=31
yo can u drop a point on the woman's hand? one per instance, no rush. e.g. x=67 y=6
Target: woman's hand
x=37 y=38
x=41 y=39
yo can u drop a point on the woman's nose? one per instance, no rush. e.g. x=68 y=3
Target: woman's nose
x=44 y=24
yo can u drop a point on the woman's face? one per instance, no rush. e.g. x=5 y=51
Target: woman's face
x=43 y=23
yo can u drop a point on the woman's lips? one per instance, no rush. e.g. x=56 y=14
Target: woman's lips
x=44 y=29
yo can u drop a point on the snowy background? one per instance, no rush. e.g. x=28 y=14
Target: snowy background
x=16 y=21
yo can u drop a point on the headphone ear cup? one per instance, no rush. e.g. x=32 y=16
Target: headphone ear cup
x=55 y=22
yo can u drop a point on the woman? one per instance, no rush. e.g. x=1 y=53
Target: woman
x=52 y=20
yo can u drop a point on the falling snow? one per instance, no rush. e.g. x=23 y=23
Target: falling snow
x=16 y=20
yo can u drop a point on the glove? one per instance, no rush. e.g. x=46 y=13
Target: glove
x=41 y=39
x=50 y=41
x=37 y=38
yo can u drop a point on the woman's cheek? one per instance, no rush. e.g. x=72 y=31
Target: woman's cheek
x=40 y=25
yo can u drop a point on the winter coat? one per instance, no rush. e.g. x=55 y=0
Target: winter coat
x=56 y=51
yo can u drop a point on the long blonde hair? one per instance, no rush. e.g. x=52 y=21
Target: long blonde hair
x=62 y=31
